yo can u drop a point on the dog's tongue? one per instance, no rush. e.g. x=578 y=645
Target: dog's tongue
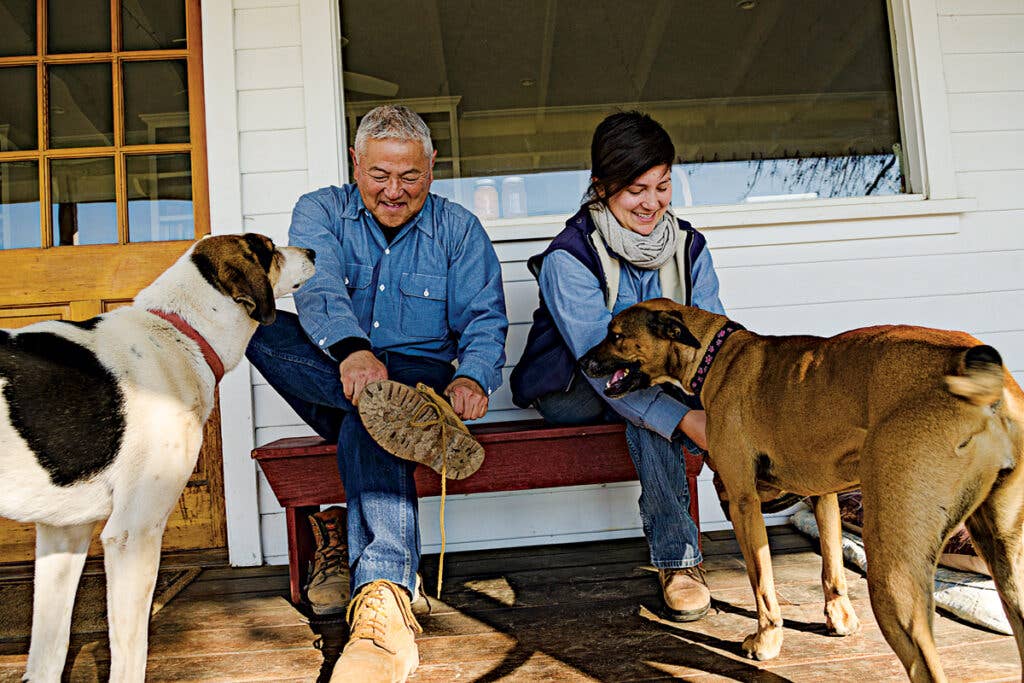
x=618 y=375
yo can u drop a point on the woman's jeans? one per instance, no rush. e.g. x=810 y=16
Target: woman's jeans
x=383 y=511
x=660 y=464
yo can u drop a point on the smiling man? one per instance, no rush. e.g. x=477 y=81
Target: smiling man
x=406 y=283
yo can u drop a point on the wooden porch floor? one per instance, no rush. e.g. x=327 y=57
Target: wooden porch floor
x=556 y=613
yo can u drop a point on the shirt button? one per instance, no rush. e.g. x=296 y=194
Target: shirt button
x=387 y=251
x=376 y=324
x=426 y=292
x=321 y=342
x=382 y=288
x=346 y=281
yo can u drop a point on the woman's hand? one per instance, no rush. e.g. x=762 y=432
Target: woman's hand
x=695 y=425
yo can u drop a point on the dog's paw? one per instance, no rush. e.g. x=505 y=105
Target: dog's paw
x=840 y=619
x=763 y=644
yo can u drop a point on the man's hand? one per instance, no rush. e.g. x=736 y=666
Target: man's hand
x=469 y=401
x=695 y=425
x=357 y=370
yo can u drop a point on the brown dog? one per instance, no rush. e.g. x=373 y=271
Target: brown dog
x=927 y=422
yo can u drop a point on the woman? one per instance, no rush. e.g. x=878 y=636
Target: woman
x=622 y=247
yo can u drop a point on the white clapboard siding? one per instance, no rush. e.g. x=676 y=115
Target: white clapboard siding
x=813 y=278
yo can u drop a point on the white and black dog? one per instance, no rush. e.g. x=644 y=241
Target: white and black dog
x=103 y=419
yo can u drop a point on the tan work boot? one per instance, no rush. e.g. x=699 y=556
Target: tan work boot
x=414 y=424
x=382 y=644
x=327 y=590
x=685 y=592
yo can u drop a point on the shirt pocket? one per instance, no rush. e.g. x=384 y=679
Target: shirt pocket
x=357 y=281
x=424 y=311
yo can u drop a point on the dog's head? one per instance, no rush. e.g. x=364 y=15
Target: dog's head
x=650 y=343
x=252 y=271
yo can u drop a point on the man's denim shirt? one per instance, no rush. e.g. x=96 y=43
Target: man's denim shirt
x=434 y=291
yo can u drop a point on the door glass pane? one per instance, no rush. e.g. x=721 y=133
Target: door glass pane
x=81 y=105
x=83 y=202
x=155 y=102
x=78 y=26
x=153 y=24
x=19 y=204
x=160 y=198
x=18 y=18
x=18 y=108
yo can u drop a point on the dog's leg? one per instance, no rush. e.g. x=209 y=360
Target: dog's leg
x=131 y=551
x=840 y=618
x=60 y=556
x=745 y=509
x=997 y=527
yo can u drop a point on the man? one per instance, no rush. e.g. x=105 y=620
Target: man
x=406 y=282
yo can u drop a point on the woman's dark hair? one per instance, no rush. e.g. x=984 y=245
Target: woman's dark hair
x=625 y=146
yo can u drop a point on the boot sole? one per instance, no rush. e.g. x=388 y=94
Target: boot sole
x=683 y=616
x=387 y=408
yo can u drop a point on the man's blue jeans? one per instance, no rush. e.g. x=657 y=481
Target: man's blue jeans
x=383 y=511
x=660 y=464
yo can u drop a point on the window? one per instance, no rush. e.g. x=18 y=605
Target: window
x=764 y=99
x=101 y=131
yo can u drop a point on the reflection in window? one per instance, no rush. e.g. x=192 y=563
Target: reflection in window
x=81 y=105
x=153 y=24
x=18 y=108
x=19 y=205
x=78 y=26
x=160 y=197
x=18 y=37
x=763 y=100
x=82 y=201
x=155 y=102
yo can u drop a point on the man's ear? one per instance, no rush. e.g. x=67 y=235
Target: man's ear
x=669 y=325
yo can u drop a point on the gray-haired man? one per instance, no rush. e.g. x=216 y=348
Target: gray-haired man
x=406 y=283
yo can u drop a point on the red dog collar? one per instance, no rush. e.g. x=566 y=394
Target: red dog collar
x=212 y=359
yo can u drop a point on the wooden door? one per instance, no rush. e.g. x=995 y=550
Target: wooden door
x=103 y=184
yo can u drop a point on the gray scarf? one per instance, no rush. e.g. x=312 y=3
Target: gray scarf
x=649 y=252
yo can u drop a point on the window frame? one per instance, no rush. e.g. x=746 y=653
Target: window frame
x=116 y=57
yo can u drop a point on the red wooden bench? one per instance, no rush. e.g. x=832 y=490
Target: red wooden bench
x=303 y=472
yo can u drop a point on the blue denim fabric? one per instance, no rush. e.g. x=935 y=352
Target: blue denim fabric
x=383 y=510
x=435 y=291
x=578 y=307
x=660 y=464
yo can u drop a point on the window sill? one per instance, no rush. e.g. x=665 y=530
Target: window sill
x=784 y=222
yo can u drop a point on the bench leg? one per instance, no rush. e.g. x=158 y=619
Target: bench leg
x=301 y=546
x=694 y=465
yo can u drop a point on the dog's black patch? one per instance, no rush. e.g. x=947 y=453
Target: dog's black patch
x=89 y=324
x=63 y=402
x=208 y=270
x=982 y=355
x=259 y=247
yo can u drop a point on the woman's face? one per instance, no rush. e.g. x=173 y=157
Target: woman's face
x=640 y=205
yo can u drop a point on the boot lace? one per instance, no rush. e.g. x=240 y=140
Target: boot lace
x=330 y=557
x=696 y=572
x=368 y=616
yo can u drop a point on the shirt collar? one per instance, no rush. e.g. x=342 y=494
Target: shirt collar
x=355 y=208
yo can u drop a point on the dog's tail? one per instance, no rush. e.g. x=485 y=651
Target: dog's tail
x=979 y=379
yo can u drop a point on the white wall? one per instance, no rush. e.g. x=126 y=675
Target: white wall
x=818 y=269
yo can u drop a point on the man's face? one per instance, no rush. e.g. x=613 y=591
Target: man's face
x=393 y=177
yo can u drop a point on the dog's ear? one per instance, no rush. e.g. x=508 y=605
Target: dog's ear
x=669 y=325
x=231 y=266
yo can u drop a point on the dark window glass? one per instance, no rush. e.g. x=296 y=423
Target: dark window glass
x=19 y=205
x=153 y=24
x=160 y=197
x=764 y=100
x=82 y=198
x=18 y=35
x=155 y=102
x=18 y=108
x=78 y=26
x=81 y=105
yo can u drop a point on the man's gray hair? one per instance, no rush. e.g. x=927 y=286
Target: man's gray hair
x=396 y=122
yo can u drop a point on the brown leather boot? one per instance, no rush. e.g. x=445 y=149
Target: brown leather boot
x=382 y=644
x=685 y=592
x=327 y=590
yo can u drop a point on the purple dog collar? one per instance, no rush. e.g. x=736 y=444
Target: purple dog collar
x=709 y=355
